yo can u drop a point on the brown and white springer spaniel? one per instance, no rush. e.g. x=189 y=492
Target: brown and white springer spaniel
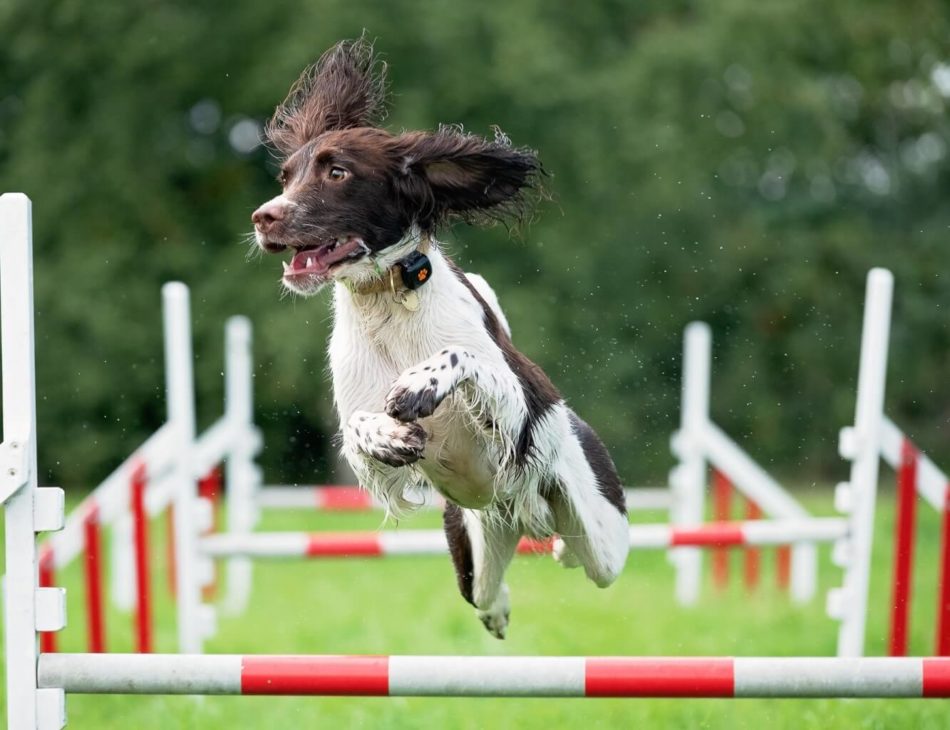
x=427 y=383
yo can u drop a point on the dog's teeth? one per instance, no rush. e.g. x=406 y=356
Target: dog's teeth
x=286 y=267
x=309 y=261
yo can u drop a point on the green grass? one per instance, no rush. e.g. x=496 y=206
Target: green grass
x=410 y=606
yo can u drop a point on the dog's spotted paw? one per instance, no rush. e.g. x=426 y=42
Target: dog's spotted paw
x=496 y=618
x=387 y=440
x=406 y=445
x=419 y=390
x=410 y=403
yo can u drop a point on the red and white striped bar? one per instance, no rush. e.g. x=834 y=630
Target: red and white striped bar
x=473 y=676
x=432 y=542
x=332 y=498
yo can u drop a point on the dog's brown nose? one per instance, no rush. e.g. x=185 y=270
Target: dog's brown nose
x=269 y=213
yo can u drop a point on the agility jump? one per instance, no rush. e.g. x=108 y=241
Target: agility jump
x=37 y=683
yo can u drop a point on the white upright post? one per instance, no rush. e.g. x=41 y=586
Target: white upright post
x=194 y=619
x=804 y=572
x=243 y=475
x=688 y=478
x=122 y=559
x=28 y=509
x=862 y=445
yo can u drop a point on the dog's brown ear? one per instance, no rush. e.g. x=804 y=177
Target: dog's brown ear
x=452 y=173
x=345 y=88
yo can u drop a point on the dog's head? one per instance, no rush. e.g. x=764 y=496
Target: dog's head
x=352 y=191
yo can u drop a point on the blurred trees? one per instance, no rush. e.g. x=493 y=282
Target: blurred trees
x=735 y=161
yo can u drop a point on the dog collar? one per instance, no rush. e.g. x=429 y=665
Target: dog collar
x=402 y=278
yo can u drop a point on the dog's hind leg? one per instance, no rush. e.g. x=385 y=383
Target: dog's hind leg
x=481 y=548
x=588 y=504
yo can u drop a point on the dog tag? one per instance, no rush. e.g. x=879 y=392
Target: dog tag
x=410 y=300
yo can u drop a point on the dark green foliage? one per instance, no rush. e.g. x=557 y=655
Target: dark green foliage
x=736 y=161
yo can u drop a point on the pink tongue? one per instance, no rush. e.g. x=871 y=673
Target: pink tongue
x=322 y=258
x=313 y=256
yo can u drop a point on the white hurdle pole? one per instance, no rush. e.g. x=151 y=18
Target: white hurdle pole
x=243 y=476
x=28 y=509
x=862 y=445
x=195 y=621
x=499 y=676
x=121 y=556
x=351 y=498
x=122 y=563
x=283 y=545
x=688 y=478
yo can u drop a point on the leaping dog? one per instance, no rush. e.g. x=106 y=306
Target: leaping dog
x=426 y=381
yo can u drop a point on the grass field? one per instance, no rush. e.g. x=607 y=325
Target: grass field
x=410 y=606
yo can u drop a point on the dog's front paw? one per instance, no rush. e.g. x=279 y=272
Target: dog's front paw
x=410 y=403
x=387 y=440
x=419 y=390
x=405 y=446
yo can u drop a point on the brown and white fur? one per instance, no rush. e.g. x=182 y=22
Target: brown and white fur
x=438 y=395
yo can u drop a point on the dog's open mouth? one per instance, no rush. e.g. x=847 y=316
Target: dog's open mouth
x=316 y=261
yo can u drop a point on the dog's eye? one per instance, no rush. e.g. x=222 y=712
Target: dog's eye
x=338 y=173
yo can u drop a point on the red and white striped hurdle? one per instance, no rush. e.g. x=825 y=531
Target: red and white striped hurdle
x=917 y=478
x=350 y=498
x=700 y=443
x=37 y=683
x=873 y=438
x=474 y=676
x=722 y=492
x=278 y=545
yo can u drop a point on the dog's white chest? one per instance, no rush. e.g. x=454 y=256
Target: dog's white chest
x=373 y=344
x=460 y=459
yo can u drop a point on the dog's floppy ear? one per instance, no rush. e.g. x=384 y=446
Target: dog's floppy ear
x=450 y=173
x=345 y=88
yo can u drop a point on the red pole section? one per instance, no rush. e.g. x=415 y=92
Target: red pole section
x=716 y=535
x=344 y=499
x=903 y=548
x=343 y=545
x=47 y=578
x=209 y=488
x=95 y=617
x=943 y=608
x=751 y=572
x=783 y=566
x=143 y=603
x=530 y=546
x=660 y=677
x=722 y=495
